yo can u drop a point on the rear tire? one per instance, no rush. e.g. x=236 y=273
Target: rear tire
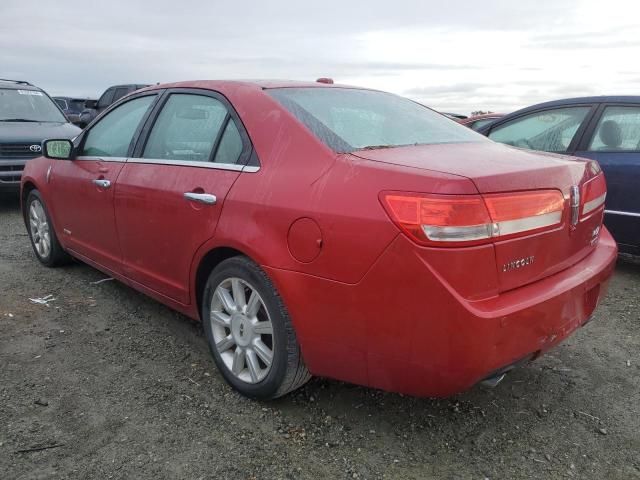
x=43 y=237
x=250 y=333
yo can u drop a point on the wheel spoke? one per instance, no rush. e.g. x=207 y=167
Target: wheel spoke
x=32 y=212
x=238 y=293
x=33 y=223
x=40 y=210
x=253 y=305
x=264 y=352
x=238 y=361
x=254 y=366
x=226 y=299
x=225 y=344
x=263 y=328
x=220 y=318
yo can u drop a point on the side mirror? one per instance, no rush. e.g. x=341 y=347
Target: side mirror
x=91 y=104
x=57 y=149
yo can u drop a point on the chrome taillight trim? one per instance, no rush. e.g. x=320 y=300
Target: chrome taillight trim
x=592 y=205
x=529 y=223
x=575 y=204
x=491 y=230
x=470 y=233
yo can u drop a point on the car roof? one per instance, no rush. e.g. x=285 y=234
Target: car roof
x=258 y=84
x=561 y=103
x=581 y=100
x=17 y=85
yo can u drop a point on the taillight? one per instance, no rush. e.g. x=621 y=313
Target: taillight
x=472 y=219
x=594 y=193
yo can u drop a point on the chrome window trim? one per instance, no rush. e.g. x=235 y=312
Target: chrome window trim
x=178 y=163
x=187 y=163
x=102 y=159
x=619 y=212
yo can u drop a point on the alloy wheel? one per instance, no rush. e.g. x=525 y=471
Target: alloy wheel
x=40 y=230
x=242 y=330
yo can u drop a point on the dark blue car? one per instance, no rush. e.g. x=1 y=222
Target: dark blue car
x=606 y=129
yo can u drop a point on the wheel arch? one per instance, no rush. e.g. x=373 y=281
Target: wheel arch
x=207 y=263
x=27 y=187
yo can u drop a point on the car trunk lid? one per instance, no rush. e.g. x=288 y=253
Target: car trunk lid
x=496 y=169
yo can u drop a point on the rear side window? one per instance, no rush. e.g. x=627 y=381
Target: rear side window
x=348 y=119
x=119 y=93
x=186 y=128
x=618 y=130
x=230 y=146
x=112 y=134
x=548 y=130
x=106 y=99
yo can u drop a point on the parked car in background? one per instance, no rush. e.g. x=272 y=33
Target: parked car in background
x=454 y=116
x=328 y=230
x=606 y=129
x=111 y=95
x=27 y=117
x=476 y=122
x=71 y=107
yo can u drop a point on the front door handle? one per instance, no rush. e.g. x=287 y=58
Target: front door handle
x=102 y=183
x=205 y=198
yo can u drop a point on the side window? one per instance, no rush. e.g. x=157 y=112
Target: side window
x=549 y=130
x=106 y=99
x=112 y=135
x=186 y=128
x=119 y=93
x=618 y=130
x=230 y=146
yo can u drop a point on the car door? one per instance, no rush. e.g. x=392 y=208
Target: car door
x=614 y=141
x=83 y=190
x=555 y=129
x=169 y=197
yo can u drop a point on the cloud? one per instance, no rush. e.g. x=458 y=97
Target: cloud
x=464 y=55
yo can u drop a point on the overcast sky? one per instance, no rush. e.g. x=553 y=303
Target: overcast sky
x=452 y=55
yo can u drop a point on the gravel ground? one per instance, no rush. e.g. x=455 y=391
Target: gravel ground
x=110 y=384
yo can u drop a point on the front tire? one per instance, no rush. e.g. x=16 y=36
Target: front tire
x=41 y=232
x=250 y=333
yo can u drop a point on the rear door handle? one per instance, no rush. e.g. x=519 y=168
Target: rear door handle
x=102 y=183
x=205 y=198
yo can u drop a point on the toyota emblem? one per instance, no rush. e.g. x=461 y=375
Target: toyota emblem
x=35 y=148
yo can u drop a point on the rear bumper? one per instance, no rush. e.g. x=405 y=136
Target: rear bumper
x=404 y=329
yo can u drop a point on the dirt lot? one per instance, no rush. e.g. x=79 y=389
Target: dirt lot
x=121 y=387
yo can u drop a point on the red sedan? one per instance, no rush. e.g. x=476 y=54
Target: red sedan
x=318 y=229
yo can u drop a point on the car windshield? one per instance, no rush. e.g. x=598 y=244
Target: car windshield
x=27 y=106
x=348 y=119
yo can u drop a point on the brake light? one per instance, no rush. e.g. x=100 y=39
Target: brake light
x=472 y=219
x=594 y=193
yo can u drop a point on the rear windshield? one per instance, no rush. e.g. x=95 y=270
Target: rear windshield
x=348 y=119
x=28 y=106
